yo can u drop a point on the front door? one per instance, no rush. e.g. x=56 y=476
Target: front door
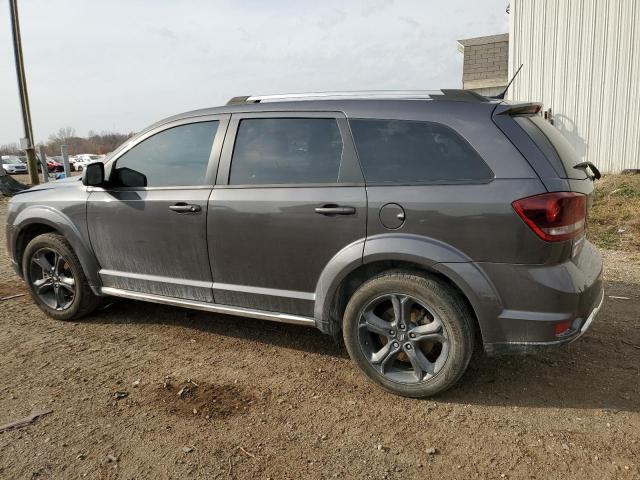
x=148 y=226
x=289 y=196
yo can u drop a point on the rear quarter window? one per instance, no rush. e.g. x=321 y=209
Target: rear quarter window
x=553 y=145
x=413 y=152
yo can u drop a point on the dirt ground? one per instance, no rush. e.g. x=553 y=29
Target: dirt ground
x=213 y=396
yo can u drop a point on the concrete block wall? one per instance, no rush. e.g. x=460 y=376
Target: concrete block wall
x=486 y=61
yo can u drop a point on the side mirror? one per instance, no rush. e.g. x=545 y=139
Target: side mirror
x=93 y=175
x=127 y=177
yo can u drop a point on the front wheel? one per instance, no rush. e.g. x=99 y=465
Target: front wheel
x=410 y=334
x=55 y=278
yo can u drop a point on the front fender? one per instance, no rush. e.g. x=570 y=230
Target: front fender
x=46 y=215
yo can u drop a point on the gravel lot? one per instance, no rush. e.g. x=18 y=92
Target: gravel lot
x=265 y=400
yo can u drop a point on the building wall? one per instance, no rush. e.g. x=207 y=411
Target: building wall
x=581 y=60
x=485 y=62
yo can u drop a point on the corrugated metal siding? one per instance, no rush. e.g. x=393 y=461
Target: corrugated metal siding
x=580 y=60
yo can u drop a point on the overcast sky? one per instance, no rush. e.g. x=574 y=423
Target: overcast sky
x=121 y=65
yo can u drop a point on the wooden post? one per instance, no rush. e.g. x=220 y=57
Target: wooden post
x=29 y=147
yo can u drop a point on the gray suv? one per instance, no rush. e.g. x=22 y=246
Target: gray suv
x=416 y=226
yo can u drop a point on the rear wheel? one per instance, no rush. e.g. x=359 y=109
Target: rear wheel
x=55 y=278
x=410 y=334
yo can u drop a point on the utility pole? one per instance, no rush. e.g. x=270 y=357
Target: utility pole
x=26 y=143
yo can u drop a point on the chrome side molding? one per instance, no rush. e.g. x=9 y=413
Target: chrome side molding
x=211 y=307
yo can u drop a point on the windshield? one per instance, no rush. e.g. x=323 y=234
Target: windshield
x=11 y=160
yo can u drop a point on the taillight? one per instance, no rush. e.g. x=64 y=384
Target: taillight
x=554 y=217
x=562 y=327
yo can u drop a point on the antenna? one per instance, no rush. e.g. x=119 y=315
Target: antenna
x=500 y=96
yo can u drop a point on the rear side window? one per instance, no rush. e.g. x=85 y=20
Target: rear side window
x=178 y=156
x=553 y=145
x=411 y=152
x=286 y=151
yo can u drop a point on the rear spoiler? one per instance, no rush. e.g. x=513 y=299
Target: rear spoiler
x=529 y=108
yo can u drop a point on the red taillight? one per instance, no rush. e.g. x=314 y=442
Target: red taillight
x=554 y=217
x=562 y=327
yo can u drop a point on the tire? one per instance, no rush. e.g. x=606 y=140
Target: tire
x=72 y=306
x=79 y=168
x=435 y=313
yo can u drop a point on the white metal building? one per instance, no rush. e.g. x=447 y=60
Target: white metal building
x=582 y=60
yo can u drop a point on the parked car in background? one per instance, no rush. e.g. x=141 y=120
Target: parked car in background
x=81 y=161
x=412 y=225
x=54 y=166
x=13 y=165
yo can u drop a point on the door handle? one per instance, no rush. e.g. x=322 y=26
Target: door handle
x=331 y=210
x=185 y=208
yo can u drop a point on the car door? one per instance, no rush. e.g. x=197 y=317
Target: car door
x=289 y=195
x=148 y=225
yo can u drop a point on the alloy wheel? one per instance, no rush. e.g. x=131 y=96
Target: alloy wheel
x=52 y=279
x=402 y=338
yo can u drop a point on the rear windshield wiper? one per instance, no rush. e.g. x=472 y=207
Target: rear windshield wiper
x=590 y=166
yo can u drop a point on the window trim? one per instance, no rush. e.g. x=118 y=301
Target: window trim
x=349 y=172
x=428 y=182
x=212 y=164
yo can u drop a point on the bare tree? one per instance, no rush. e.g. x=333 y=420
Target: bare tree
x=9 y=149
x=63 y=134
x=98 y=143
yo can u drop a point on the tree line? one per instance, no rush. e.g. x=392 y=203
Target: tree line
x=94 y=142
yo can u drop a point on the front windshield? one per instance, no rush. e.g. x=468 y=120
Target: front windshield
x=11 y=160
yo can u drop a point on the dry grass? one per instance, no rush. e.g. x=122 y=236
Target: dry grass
x=614 y=219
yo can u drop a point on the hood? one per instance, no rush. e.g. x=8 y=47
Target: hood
x=56 y=184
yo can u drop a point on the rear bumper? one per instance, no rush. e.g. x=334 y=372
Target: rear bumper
x=523 y=348
x=543 y=305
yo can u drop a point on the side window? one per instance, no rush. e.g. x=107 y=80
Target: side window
x=286 y=150
x=178 y=156
x=412 y=152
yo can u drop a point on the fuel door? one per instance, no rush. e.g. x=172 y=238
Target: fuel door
x=392 y=216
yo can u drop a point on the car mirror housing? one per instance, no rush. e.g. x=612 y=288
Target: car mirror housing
x=93 y=175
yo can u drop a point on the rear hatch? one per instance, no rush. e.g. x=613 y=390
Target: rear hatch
x=546 y=149
x=548 y=152
x=554 y=145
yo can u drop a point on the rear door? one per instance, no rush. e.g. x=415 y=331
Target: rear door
x=148 y=227
x=289 y=196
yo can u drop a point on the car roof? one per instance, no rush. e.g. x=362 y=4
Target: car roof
x=352 y=104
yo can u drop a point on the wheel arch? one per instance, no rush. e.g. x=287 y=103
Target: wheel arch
x=408 y=253
x=35 y=221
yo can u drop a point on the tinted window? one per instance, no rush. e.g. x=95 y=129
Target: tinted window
x=408 y=152
x=553 y=144
x=286 y=150
x=174 y=157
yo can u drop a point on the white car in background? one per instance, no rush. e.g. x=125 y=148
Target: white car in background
x=84 y=159
x=13 y=165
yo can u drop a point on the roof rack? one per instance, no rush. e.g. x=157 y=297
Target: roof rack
x=460 y=95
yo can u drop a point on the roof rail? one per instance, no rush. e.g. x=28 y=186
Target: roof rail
x=452 y=94
x=365 y=94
